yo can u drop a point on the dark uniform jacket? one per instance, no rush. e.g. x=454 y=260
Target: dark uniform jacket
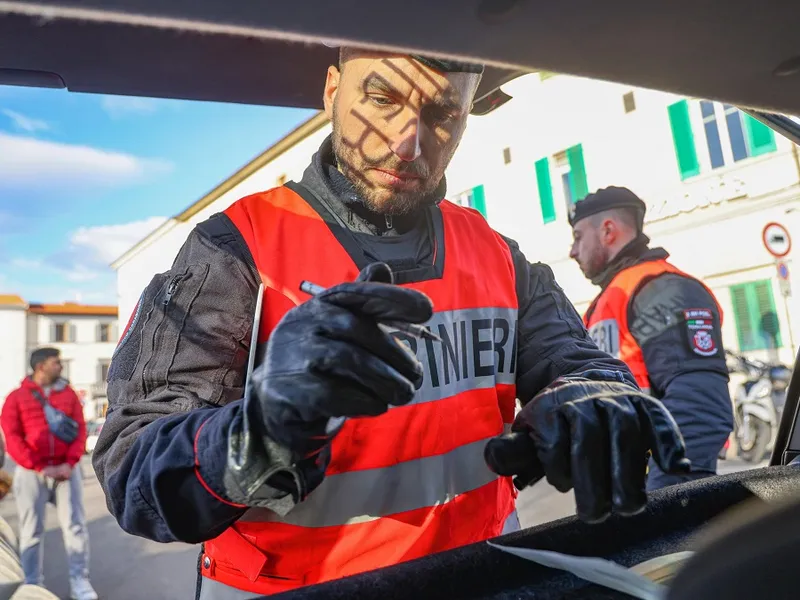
x=694 y=388
x=181 y=363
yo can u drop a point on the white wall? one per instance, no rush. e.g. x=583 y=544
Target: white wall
x=12 y=349
x=710 y=223
x=134 y=275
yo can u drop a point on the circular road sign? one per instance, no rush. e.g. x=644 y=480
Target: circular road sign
x=776 y=240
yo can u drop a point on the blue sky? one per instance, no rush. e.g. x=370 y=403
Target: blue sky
x=84 y=176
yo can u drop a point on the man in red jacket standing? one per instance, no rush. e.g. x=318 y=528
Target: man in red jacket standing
x=45 y=436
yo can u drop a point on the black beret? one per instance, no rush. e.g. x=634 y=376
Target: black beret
x=605 y=199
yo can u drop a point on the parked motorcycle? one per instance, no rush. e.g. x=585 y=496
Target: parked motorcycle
x=758 y=404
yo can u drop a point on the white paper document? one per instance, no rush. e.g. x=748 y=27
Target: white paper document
x=596 y=570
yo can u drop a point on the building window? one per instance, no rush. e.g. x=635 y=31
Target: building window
x=683 y=138
x=712 y=134
x=506 y=155
x=757 y=325
x=474 y=198
x=735 y=133
x=104 y=332
x=562 y=168
x=747 y=136
x=571 y=170
x=102 y=370
x=62 y=332
x=629 y=102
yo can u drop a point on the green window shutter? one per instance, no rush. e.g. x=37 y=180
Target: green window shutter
x=760 y=138
x=545 y=190
x=479 y=200
x=767 y=323
x=741 y=314
x=754 y=312
x=577 y=173
x=682 y=136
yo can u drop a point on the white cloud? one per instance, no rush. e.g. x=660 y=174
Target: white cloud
x=81 y=274
x=89 y=252
x=25 y=123
x=106 y=243
x=29 y=165
x=26 y=263
x=122 y=106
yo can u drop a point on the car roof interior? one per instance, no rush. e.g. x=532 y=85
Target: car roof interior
x=258 y=53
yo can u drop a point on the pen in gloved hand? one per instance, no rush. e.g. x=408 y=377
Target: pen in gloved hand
x=387 y=326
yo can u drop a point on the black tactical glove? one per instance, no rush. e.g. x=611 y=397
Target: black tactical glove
x=592 y=436
x=326 y=360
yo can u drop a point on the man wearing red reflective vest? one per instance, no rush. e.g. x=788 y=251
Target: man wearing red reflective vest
x=665 y=324
x=356 y=448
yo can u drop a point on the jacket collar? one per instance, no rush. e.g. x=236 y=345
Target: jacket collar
x=634 y=253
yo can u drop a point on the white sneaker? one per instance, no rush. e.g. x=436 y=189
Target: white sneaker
x=81 y=589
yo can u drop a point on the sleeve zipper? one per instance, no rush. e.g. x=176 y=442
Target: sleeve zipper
x=171 y=289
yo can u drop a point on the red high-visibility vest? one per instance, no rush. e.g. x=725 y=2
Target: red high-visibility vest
x=607 y=316
x=412 y=481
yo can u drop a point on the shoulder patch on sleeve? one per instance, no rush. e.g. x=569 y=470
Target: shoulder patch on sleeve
x=700 y=334
x=134 y=318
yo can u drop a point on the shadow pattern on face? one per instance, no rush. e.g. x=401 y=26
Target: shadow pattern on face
x=399 y=120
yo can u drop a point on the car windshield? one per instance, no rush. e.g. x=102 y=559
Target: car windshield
x=98 y=193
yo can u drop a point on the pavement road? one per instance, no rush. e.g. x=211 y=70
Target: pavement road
x=124 y=567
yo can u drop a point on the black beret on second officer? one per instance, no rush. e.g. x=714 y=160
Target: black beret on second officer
x=606 y=199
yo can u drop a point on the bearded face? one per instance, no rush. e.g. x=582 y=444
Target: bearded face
x=396 y=125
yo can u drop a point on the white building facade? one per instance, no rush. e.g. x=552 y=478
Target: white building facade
x=712 y=177
x=85 y=335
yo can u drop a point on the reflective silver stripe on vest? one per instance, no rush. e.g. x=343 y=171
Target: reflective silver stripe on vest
x=214 y=590
x=477 y=351
x=605 y=334
x=363 y=496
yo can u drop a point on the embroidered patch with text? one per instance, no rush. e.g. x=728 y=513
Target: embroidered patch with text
x=700 y=329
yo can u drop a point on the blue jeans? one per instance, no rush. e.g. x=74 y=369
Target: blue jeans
x=32 y=494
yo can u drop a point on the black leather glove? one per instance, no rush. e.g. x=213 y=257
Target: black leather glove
x=592 y=436
x=327 y=358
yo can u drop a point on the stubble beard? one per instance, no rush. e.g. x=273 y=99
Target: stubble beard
x=375 y=198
